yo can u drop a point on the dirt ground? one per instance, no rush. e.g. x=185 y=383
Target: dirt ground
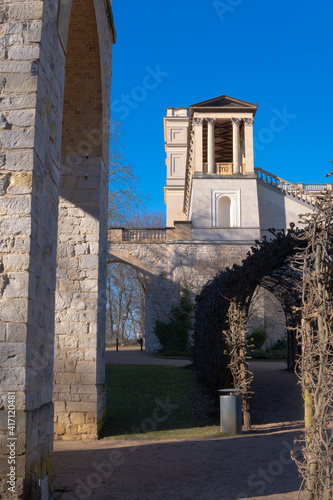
x=254 y=466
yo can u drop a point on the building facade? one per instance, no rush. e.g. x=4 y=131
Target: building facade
x=211 y=178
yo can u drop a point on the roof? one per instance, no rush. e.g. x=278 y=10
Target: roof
x=226 y=102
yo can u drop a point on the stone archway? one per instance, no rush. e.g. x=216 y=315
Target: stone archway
x=126 y=302
x=168 y=264
x=33 y=178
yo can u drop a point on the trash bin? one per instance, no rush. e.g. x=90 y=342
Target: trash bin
x=230 y=411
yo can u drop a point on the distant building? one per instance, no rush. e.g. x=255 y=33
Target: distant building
x=211 y=178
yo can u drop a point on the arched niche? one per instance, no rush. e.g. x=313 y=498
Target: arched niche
x=226 y=208
x=224 y=211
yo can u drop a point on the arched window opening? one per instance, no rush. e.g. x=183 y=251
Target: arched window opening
x=224 y=212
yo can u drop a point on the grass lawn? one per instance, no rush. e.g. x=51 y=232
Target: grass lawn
x=157 y=402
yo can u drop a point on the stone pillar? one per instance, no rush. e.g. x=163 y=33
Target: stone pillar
x=32 y=75
x=235 y=145
x=32 y=64
x=211 y=146
x=198 y=164
x=248 y=132
x=80 y=300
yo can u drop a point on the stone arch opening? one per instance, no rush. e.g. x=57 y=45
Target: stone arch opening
x=226 y=209
x=126 y=302
x=79 y=393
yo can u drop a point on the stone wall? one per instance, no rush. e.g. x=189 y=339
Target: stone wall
x=79 y=392
x=266 y=312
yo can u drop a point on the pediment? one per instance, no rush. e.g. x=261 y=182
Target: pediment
x=225 y=102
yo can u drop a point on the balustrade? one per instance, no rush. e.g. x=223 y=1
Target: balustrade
x=141 y=234
x=301 y=193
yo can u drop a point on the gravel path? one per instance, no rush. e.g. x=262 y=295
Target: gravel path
x=254 y=466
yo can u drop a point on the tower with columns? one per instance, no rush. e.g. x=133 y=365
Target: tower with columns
x=212 y=182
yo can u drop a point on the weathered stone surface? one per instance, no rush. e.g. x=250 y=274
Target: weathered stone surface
x=13 y=139
x=25 y=11
x=15 y=205
x=19 y=160
x=15 y=226
x=22 y=53
x=2 y=332
x=14 y=310
x=21 y=118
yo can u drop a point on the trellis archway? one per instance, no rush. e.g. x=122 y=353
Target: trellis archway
x=271 y=265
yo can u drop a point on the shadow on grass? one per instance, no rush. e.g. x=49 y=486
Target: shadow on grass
x=157 y=402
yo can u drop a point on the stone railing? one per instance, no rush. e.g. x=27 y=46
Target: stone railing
x=147 y=234
x=315 y=186
x=301 y=193
x=181 y=231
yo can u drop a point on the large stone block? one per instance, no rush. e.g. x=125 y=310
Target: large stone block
x=25 y=52
x=25 y=11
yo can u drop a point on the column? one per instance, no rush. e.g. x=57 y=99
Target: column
x=248 y=137
x=211 y=146
x=235 y=145
x=198 y=166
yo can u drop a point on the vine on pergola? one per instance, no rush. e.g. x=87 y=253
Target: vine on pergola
x=236 y=341
x=222 y=308
x=315 y=365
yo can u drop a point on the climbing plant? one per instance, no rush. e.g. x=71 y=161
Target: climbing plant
x=238 y=364
x=315 y=365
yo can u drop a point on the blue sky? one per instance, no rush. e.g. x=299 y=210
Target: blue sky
x=274 y=53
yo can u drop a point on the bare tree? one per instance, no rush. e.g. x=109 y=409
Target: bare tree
x=125 y=284
x=143 y=218
x=124 y=196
